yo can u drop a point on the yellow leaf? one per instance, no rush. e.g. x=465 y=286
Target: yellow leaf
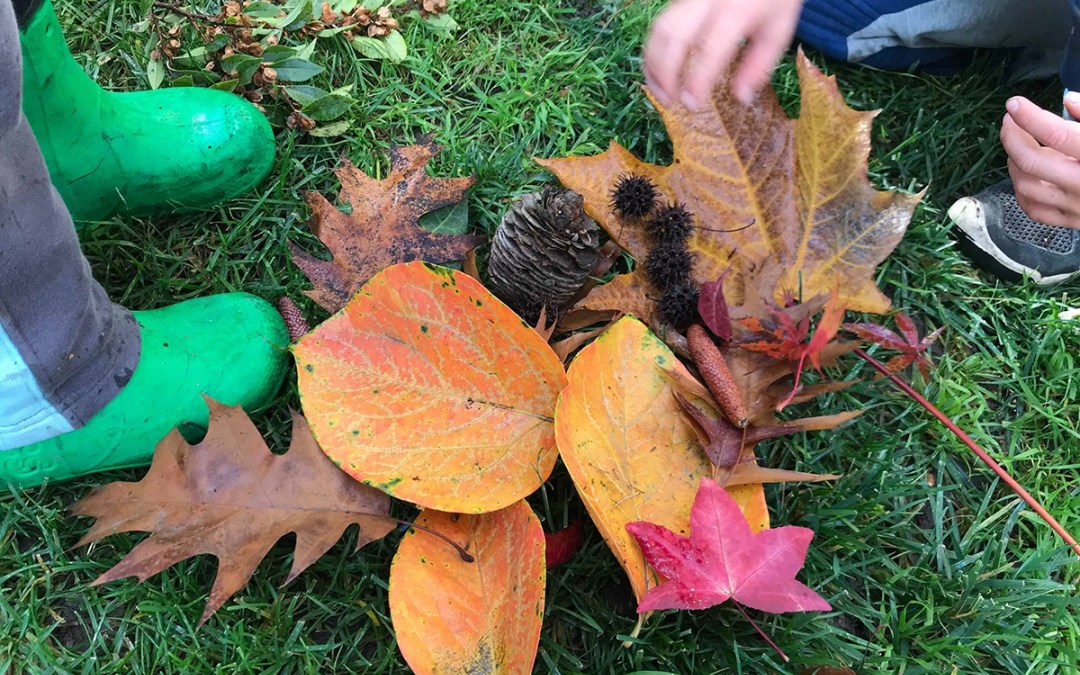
x=628 y=448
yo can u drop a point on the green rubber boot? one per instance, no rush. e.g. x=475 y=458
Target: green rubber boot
x=141 y=152
x=230 y=347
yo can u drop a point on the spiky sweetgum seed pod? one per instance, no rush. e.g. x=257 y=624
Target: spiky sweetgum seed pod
x=717 y=375
x=678 y=305
x=668 y=264
x=670 y=223
x=634 y=196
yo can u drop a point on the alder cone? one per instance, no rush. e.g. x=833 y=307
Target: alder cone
x=542 y=252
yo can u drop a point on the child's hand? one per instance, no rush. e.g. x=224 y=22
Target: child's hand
x=1044 y=160
x=692 y=43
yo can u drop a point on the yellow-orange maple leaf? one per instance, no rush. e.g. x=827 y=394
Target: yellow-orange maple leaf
x=785 y=204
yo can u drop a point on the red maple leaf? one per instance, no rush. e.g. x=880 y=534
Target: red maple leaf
x=786 y=336
x=911 y=348
x=723 y=559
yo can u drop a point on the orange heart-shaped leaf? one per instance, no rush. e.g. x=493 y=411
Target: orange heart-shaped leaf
x=428 y=387
x=452 y=616
x=629 y=449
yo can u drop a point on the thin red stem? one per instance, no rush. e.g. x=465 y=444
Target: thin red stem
x=982 y=454
x=762 y=633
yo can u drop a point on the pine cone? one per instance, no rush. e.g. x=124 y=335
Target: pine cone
x=542 y=252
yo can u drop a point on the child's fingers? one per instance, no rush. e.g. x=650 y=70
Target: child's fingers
x=1047 y=128
x=714 y=48
x=760 y=57
x=669 y=45
x=1032 y=159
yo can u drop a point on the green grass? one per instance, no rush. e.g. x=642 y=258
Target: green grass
x=930 y=564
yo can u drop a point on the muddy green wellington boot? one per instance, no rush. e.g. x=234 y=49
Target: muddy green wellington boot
x=140 y=152
x=231 y=347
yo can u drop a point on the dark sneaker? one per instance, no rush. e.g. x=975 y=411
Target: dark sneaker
x=1001 y=239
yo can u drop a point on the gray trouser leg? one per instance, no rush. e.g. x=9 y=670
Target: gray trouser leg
x=65 y=349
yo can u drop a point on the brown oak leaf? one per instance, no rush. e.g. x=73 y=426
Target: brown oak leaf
x=231 y=497
x=383 y=227
x=784 y=203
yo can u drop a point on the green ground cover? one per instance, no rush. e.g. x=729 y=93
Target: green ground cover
x=930 y=564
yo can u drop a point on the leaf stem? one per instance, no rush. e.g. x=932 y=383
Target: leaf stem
x=462 y=553
x=982 y=454
x=772 y=644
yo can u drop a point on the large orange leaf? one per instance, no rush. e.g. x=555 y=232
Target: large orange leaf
x=428 y=387
x=796 y=191
x=451 y=616
x=630 y=451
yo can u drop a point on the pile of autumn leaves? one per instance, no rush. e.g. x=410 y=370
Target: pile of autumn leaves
x=424 y=387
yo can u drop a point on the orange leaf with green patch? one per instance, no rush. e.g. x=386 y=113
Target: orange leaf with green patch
x=428 y=387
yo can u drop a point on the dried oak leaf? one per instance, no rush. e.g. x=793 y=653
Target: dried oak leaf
x=231 y=497
x=795 y=192
x=383 y=228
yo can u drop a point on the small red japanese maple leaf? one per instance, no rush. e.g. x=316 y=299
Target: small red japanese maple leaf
x=786 y=338
x=723 y=559
x=911 y=348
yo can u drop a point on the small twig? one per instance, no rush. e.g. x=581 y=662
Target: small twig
x=721 y=231
x=762 y=633
x=982 y=454
x=194 y=16
x=462 y=553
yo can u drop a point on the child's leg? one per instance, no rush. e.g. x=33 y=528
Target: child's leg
x=937 y=35
x=84 y=384
x=65 y=350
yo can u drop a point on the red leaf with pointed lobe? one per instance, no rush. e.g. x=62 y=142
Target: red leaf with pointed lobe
x=722 y=558
x=785 y=338
x=827 y=328
x=713 y=309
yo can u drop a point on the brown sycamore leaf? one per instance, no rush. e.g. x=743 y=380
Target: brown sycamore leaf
x=785 y=204
x=231 y=497
x=383 y=227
